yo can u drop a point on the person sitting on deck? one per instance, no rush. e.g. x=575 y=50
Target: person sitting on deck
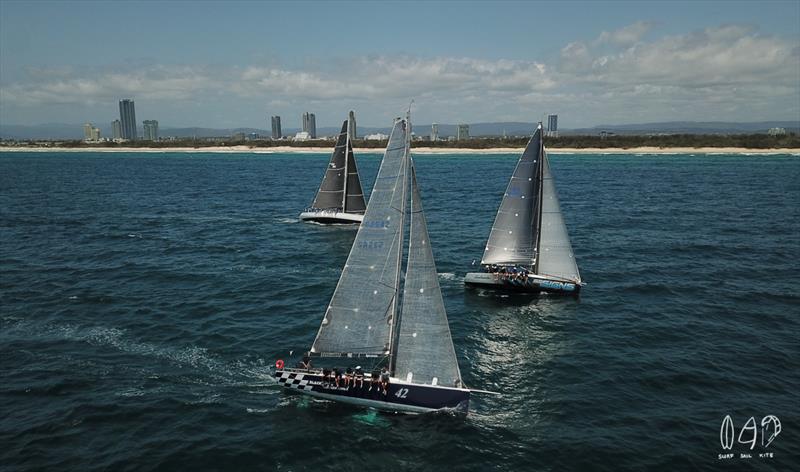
x=348 y=377
x=326 y=376
x=336 y=375
x=305 y=363
x=375 y=379
x=359 y=377
x=385 y=380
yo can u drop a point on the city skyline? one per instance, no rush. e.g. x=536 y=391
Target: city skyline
x=591 y=63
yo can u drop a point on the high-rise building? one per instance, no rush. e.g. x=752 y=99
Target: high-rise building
x=90 y=133
x=463 y=132
x=310 y=124
x=552 y=125
x=435 y=132
x=150 y=130
x=351 y=118
x=127 y=115
x=116 y=129
x=276 y=127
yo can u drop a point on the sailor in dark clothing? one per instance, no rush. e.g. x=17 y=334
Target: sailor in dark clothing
x=326 y=376
x=305 y=363
x=385 y=380
x=375 y=379
x=336 y=375
x=359 y=377
x=348 y=377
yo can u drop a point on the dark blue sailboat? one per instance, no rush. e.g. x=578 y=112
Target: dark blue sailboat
x=528 y=248
x=398 y=326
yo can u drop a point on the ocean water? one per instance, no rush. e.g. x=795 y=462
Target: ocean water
x=145 y=297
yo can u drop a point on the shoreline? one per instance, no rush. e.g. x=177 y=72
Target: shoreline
x=419 y=150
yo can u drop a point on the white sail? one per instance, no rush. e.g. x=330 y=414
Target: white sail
x=556 y=258
x=424 y=344
x=360 y=316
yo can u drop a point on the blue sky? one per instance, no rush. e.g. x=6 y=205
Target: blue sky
x=235 y=63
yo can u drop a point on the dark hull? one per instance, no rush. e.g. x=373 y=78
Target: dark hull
x=531 y=285
x=331 y=221
x=400 y=396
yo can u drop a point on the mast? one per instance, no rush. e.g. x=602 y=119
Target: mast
x=538 y=219
x=393 y=330
x=346 y=175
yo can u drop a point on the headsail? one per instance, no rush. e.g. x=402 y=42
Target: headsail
x=354 y=200
x=358 y=321
x=556 y=258
x=331 y=190
x=515 y=230
x=424 y=345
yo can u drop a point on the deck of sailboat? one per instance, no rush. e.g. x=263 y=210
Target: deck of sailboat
x=398 y=398
x=533 y=284
x=331 y=217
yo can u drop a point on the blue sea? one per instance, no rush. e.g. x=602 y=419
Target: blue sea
x=144 y=299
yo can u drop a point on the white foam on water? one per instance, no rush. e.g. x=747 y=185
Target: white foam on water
x=447 y=275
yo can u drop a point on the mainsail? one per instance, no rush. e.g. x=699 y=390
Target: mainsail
x=515 y=230
x=331 y=190
x=424 y=346
x=359 y=318
x=555 y=251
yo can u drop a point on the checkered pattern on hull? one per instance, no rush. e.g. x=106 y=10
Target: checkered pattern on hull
x=294 y=380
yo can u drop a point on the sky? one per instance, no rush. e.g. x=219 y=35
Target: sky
x=234 y=64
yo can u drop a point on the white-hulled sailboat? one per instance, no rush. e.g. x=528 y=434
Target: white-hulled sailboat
x=340 y=199
x=378 y=317
x=528 y=248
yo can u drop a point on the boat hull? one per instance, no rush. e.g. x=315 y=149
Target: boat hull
x=400 y=396
x=327 y=217
x=531 y=285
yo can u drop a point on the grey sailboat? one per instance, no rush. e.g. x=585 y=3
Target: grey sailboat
x=340 y=199
x=528 y=248
x=398 y=326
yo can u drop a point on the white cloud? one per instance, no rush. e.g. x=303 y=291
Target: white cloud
x=727 y=72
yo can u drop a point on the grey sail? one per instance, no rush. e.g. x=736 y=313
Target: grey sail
x=515 y=230
x=331 y=191
x=556 y=258
x=424 y=345
x=359 y=318
x=354 y=201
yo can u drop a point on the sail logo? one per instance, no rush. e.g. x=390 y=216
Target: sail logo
x=748 y=435
x=375 y=224
x=370 y=244
x=514 y=191
x=557 y=285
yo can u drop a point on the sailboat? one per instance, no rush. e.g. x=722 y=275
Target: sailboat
x=528 y=248
x=397 y=326
x=340 y=199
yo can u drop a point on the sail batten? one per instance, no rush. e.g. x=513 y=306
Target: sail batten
x=360 y=315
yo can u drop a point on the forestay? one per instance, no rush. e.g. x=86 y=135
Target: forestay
x=331 y=190
x=424 y=345
x=360 y=315
x=556 y=258
x=514 y=233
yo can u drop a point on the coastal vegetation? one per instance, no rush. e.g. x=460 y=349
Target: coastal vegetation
x=748 y=141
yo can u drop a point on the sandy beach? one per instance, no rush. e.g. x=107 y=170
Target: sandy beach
x=416 y=150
